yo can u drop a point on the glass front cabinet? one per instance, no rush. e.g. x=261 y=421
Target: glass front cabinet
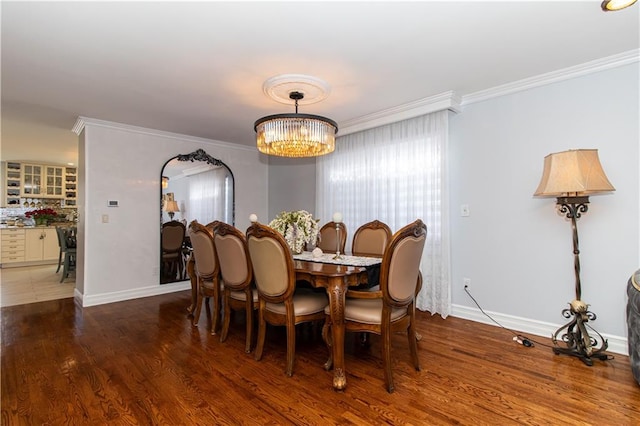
x=31 y=180
x=54 y=185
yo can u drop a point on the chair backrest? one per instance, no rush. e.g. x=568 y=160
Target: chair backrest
x=272 y=262
x=172 y=236
x=204 y=251
x=400 y=269
x=211 y=226
x=233 y=256
x=62 y=240
x=371 y=239
x=328 y=237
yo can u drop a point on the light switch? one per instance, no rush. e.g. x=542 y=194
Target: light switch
x=464 y=210
x=105 y=218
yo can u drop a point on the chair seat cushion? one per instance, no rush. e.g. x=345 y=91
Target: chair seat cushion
x=304 y=303
x=368 y=311
x=208 y=284
x=240 y=295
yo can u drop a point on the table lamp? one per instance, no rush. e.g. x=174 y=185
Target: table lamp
x=571 y=176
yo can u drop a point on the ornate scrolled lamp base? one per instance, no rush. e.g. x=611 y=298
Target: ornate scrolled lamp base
x=576 y=337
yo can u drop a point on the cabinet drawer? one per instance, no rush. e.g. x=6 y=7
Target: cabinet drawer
x=12 y=234
x=12 y=259
x=18 y=245
x=12 y=255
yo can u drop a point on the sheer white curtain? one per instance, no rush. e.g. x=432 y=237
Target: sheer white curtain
x=206 y=192
x=395 y=173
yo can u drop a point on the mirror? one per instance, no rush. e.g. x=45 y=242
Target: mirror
x=194 y=186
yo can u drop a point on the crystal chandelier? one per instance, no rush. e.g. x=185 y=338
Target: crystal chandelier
x=295 y=135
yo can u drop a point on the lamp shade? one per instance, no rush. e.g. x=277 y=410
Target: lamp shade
x=573 y=173
x=170 y=206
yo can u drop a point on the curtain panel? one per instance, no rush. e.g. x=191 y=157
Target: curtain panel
x=395 y=173
x=205 y=192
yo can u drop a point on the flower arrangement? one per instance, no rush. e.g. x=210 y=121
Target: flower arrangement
x=298 y=228
x=42 y=215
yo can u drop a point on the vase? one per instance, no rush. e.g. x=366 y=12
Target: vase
x=41 y=221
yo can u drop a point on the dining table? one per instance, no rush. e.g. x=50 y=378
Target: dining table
x=333 y=274
x=336 y=275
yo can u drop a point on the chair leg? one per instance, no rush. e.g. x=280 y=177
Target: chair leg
x=291 y=347
x=413 y=345
x=65 y=268
x=207 y=307
x=216 y=312
x=249 y=325
x=59 y=261
x=386 y=358
x=262 y=331
x=226 y=320
x=196 y=314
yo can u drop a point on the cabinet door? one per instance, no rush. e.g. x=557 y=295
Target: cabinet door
x=33 y=243
x=31 y=180
x=53 y=185
x=51 y=248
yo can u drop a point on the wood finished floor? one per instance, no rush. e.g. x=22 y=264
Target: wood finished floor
x=140 y=362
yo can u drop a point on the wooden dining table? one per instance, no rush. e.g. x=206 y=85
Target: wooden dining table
x=335 y=279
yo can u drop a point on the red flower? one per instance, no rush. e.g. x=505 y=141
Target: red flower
x=42 y=213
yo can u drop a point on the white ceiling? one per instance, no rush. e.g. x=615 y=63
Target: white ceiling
x=197 y=68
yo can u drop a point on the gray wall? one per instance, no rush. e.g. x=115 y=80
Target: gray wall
x=121 y=257
x=515 y=248
x=292 y=185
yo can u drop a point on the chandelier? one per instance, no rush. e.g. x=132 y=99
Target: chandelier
x=613 y=5
x=295 y=135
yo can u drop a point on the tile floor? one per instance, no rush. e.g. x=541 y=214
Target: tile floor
x=29 y=284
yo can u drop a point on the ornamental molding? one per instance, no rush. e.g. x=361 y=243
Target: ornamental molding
x=444 y=101
x=83 y=122
x=602 y=64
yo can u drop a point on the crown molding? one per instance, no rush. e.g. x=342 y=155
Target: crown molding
x=447 y=100
x=591 y=67
x=83 y=122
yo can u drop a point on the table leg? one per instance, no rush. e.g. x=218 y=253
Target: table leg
x=191 y=270
x=336 y=292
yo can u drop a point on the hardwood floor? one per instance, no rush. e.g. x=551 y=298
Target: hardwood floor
x=141 y=362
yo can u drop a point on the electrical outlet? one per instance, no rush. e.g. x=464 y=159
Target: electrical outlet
x=466 y=282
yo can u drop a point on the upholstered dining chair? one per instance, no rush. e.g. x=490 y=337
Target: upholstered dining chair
x=275 y=278
x=207 y=273
x=327 y=237
x=371 y=239
x=236 y=271
x=172 y=240
x=392 y=308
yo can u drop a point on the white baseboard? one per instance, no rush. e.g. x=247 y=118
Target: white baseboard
x=119 y=296
x=617 y=344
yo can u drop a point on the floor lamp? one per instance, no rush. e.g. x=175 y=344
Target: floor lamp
x=571 y=176
x=170 y=206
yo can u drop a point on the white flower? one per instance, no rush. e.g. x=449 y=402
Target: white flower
x=298 y=228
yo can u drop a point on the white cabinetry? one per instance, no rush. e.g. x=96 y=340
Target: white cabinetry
x=13 y=241
x=53 y=181
x=11 y=173
x=31 y=180
x=41 y=244
x=70 y=186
